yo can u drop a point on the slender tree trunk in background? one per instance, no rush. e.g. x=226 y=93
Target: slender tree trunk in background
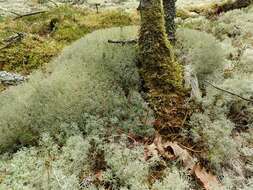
x=169 y=7
x=158 y=66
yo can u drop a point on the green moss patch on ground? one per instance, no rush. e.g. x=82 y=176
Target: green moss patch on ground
x=48 y=33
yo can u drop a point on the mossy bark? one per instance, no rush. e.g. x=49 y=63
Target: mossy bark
x=169 y=7
x=158 y=66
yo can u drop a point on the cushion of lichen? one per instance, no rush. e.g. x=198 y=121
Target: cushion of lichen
x=42 y=43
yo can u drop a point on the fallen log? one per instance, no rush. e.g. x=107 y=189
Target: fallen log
x=217 y=8
x=237 y=4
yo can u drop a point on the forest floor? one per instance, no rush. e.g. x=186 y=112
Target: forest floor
x=81 y=120
x=24 y=6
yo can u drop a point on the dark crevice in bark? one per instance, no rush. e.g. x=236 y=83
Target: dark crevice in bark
x=169 y=7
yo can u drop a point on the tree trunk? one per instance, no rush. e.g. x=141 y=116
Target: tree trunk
x=169 y=7
x=158 y=66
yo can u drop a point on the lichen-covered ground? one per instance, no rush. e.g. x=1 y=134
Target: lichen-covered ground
x=22 y=6
x=81 y=122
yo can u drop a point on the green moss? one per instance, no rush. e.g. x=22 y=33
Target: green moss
x=48 y=33
x=159 y=68
x=30 y=54
x=115 y=18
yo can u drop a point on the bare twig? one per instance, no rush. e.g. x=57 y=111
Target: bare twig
x=13 y=39
x=190 y=149
x=122 y=42
x=29 y=14
x=231 y=93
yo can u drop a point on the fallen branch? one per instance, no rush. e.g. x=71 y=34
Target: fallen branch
x=236 y=4
x=213 y=9
x=231 y=93
x=122 y=42
x=13 y=39
x=29 y=14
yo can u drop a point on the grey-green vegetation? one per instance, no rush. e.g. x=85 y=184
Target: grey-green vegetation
x=70 y=125
x=67 y=119
x=219 y=51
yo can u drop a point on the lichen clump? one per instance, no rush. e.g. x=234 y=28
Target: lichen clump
x=69 y=127
x=46 y=34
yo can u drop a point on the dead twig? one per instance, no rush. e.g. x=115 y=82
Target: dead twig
x=231 y=93
x=13 y=39
x=122 y=42
x=29 y=14
x=190 y=149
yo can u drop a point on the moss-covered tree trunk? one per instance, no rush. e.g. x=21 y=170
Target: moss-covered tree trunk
x=161 y=73
x=158 y=66
x=169 y=15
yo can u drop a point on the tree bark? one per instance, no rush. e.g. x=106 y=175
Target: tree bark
x=169 y=7
x=158 y=66
x=161 y=74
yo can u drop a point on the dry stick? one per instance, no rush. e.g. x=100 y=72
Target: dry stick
x=122 y=42
x=29 y=14
x=7 y=45
x=231 y=93
x=190 y=149
x=17 y=39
